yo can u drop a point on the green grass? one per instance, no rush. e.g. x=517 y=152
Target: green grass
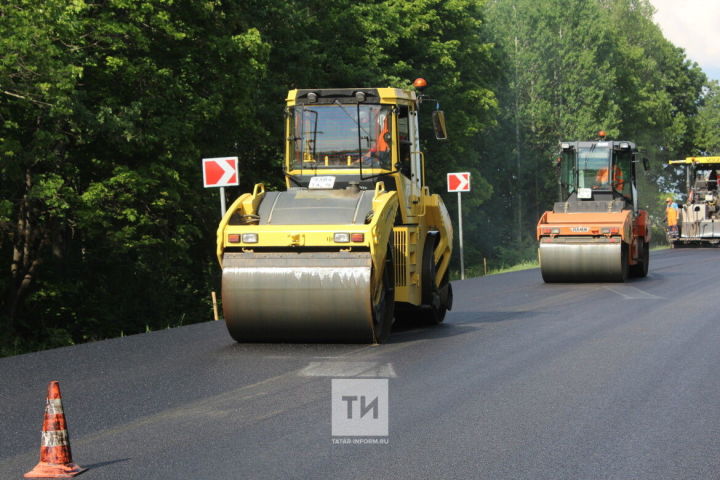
x=520 y=266
x=477 y=270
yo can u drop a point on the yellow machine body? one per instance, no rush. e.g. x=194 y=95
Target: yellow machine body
x=356 y=238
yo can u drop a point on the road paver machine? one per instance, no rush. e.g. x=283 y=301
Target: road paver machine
x=699 y=216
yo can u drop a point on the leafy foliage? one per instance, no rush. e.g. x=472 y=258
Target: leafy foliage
x=573 y=68
x=707 y=141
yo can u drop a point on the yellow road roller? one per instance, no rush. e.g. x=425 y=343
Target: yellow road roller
x=355 y=240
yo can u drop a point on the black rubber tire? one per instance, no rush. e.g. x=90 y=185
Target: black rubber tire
x=640 y=270
x=383 y=310
x=428 y=270
x=436 y=301
x=434 y=313
x=435 y=304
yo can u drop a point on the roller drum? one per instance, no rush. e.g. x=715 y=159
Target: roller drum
x=582 y=262
x=298 y=297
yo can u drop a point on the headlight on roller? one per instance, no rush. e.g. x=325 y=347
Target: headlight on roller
x=250 y=238
x=342 y=237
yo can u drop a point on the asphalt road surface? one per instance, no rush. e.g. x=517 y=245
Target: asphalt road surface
x=525 y=380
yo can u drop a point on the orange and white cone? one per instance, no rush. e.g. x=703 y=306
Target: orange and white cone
x=55 y=456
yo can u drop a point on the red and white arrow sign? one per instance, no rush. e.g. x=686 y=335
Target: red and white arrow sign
x=220 y=172
x=458 y=182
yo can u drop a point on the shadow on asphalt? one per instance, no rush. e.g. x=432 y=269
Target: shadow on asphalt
x=402 y=331
x=284 y=349
x=103 y=464
x=405 y=331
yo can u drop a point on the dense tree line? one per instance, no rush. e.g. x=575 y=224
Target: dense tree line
x=573 y=68
x=106 y=109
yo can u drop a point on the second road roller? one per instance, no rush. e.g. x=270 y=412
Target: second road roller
x=596 y=232
x=355 y=239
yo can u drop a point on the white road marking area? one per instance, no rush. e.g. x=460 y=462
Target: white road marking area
x=632 y=293
x=348 y=369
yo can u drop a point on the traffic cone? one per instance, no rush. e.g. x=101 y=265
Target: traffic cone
x=55 y=456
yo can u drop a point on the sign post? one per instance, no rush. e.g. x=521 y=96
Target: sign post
x=220 y=172
x=459 y=182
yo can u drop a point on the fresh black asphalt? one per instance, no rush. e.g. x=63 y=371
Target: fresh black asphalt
x=525 y=380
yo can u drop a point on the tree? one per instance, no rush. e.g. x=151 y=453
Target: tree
x=707 y=141
x=106 y=110
x=39 y=72
x=573 y=68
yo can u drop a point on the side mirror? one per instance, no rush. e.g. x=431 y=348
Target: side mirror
x=646 y=163
x=438 y=120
